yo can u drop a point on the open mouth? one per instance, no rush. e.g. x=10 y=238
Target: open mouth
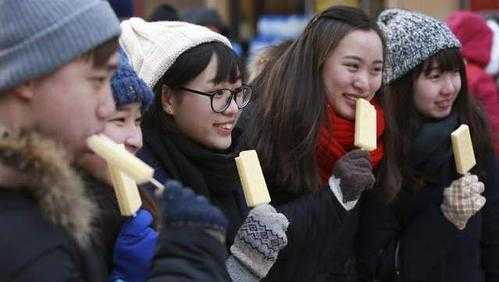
x=224 y=128
x=351 y=99
x=443 y=105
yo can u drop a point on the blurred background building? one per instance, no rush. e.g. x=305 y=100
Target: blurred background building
x=252 y=24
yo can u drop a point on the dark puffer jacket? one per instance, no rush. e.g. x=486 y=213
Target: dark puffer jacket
x=411 y=240
x=45 y=216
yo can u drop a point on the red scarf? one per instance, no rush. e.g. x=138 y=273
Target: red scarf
x=337 y=139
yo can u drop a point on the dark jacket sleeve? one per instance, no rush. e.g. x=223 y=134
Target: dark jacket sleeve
x=431 y=247
x=32 y=249
x=490 y=225
x=313 y=218
x=189 y=254
x=51 y=266
x=384 y=248
x=377 y=239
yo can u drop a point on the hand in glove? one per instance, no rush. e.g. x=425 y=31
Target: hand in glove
x=134 y=249
x=354 y=170
x=462 y=200
x=181 y=206
x=257 y=243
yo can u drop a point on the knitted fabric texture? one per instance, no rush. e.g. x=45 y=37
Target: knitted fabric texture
x=153 y=47
x=37 y=37
x=260 y=238
x=411 y=38
x=181 y=207
x=238 y=272
x=128 y=87
x=355 y=173
x=462 y=200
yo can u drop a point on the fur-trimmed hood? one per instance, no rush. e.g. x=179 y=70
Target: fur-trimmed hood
x=36 y=166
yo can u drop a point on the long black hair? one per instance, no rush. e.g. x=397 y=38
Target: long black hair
x=290 y=105
x=404 y=119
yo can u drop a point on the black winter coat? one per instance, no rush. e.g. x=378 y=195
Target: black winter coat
x=209 y=173
x=189 y=254
x=45 y=216
x=320 y=240
x=321 y=231
x=411 y=240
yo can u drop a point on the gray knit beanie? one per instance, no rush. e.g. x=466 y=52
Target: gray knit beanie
x=38 y=36
x=411 y=38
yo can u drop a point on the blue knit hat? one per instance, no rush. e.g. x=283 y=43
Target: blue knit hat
x=37 y=37
x=128 y=87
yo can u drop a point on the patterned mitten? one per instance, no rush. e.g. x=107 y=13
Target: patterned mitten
x=462 y=200
x=259 y=239
x=354 y=170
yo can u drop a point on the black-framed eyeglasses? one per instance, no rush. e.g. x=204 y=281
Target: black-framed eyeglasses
x=221 y=98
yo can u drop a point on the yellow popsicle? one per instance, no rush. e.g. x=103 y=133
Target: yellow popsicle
x=365 y=125
x=252 y=180
x=463 y=149
x=126 y=191
x=120 y=158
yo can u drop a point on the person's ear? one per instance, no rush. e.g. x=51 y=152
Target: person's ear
x=168 y=100
x=25 y=91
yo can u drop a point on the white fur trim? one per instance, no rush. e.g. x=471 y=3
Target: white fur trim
x=153 y=47
x=334 y=185
x=493 y=65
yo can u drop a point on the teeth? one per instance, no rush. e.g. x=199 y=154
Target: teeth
x=351 y=97
x=225 y=126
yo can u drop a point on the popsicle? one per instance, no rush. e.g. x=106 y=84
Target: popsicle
x=126 y=191
x=463 y=149
x=121 y=158
x=365 y=125
x=252 y=180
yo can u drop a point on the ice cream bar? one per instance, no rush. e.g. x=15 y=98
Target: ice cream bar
x=126 y=191
x=120 y=158
x=365 y=125
x=251 y=175
x=463 y=149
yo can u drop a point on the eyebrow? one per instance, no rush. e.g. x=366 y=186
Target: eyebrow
x=353 y=57
x=357 y=58
x=432 y=68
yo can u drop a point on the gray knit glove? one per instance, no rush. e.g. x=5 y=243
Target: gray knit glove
x=257 y=244
x=462 y=200
x=354 y=170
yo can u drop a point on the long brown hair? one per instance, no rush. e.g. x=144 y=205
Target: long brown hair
x=403 y=119
x=290 y=105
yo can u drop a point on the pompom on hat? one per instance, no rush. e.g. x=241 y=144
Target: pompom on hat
x=128 y=87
